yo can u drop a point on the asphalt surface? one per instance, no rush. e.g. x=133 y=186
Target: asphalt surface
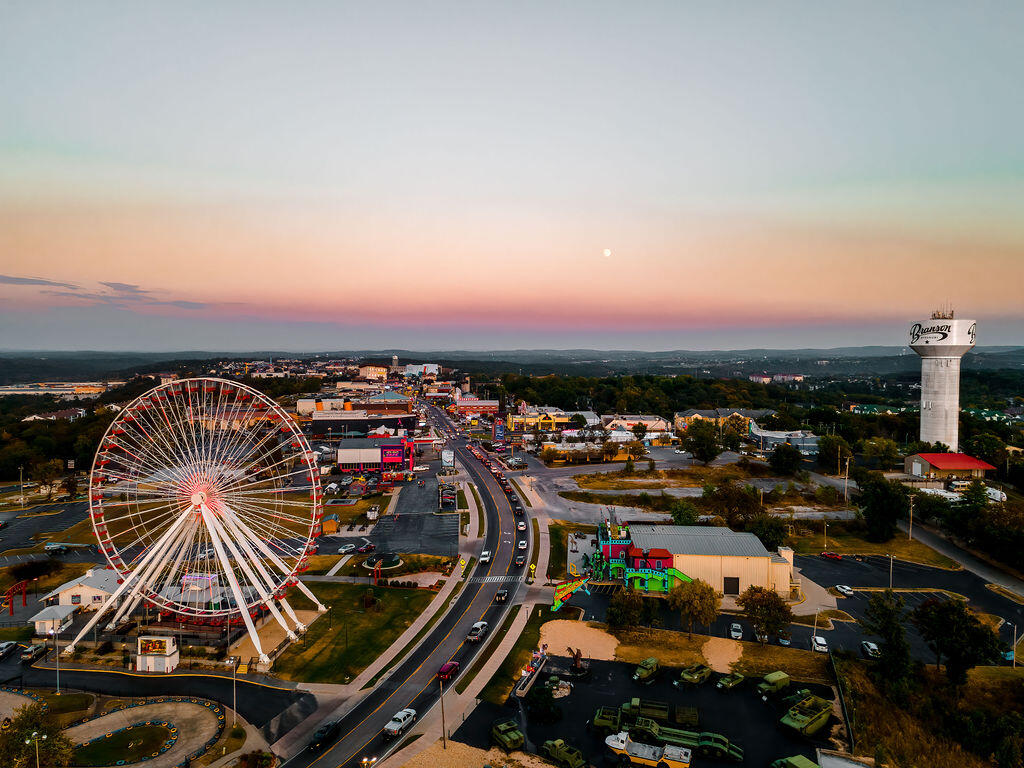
x=17 y=532
x=413 y=683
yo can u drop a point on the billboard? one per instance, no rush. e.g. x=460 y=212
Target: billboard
x=392 y=454
x=153 y=645
x=499 y=430
x=447 y=459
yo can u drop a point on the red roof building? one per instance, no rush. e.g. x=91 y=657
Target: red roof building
x=946 y=465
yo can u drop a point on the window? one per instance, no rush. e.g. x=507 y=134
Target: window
x=731 y=585
x=97 y=598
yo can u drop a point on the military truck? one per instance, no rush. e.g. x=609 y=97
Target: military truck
x=506 y=734
x=730 y=681
x=611 y=720
x=808 y=715
x=560 y=753
x=647 y=671
x=629 y=752
x=693 y=675
x=797 y=761
x=773 y=683
x=703 y=743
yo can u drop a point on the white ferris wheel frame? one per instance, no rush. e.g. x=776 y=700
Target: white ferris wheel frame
x=212 y=483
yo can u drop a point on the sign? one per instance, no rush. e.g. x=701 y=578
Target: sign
x=447 y=459
x=71 y=464
x=153 y=645
x=566 y=589
x=499 y=430
x=392 y=454
x=533 y=566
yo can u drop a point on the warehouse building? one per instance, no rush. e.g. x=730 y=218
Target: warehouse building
x=655 y=558
x=946 y=466
x=392 y=454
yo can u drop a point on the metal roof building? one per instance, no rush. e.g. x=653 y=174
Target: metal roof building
x=697 y=540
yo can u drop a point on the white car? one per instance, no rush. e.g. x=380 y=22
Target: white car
x=522 y=544
x=420 y=468
x=736 y=632
x=344 y=549
x=398 y=724
x=678 y=450
x=521 y=525
x=844 y=590
x=485 y=556
x=819 y=644
x=478 y=632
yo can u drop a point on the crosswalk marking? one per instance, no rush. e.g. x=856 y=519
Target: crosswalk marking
x=494 y=579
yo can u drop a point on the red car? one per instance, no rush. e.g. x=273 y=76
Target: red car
x=448 y=670
x=366 y=548
x=831 y=555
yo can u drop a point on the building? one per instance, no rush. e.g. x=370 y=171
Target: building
x=769 y=440
x=471 y=405
x=388 y=454
x=53 y=618
x=760 y=378
x=628 y=421
x=343 y=425
x=68 y=414
x=373 y=372
x=719 y=416
x=305 y=406
x=787 y=378
x=423 y=369
x=655 y=558
x=949 y=466
x=385 y=402
x=90 y=590
x=941 y=341
x=548 y=418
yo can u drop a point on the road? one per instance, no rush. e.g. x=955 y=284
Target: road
x=413 y=683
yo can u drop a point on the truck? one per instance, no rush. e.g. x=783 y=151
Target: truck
x=647 y=671
x=808 y=716
x=612 y=720
x=730 y=681
x=703 y=743
x=506 y=734
x=560 y=753
x=629 y=752
x=797 y=761
x=772 y=683
x=693 y=675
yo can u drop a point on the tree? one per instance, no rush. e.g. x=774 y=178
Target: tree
x=883 y=502
x=697 y=603
x=640 y=430
x=700 y=440
x=625 y=608
x=833 y=450
x=766 y=610
x=548 y=455
x=55 y=749
x=47 y=473
x=578 y=421
x=71 y=485
x=731 y=440
x=884 y=617
x=736 y=503
x=986 y=446
x=635 y=449
x=883 y=449
x=651 y=466
x=683 y=512
x=769 y=529
x=609 y=450
x=628 y=468
x=785 y=459
x=951 y=630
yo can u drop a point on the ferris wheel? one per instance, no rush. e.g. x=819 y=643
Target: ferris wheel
x=205 y=498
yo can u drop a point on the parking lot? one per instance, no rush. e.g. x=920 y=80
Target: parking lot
x=739 y=714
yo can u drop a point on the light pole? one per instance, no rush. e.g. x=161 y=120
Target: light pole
x=1013 y=648
x=36 y=738
x=846 y=482
x=910 y=528
x=890 y=570
x=55 y=634
x=826 y=533
x=444 y=733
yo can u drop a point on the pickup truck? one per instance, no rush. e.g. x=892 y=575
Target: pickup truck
x=399 y=723
x=477 y=632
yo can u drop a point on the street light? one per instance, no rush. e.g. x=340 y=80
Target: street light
x=35 y=737
x=1013 y=648
x=55 y=634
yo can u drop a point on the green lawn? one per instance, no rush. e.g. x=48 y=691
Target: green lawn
x=558 y=534
x=535 y=555
x=16 y=633
x=347 y=513
x=479 y=511
x=461 y=499
x=67 y=702
x=337 y=648
x=483 y=658
x=850 y=542
x=129 y=746
x=522 y=495
x=62 y=573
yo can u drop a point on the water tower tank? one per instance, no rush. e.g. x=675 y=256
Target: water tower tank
x=941 y=341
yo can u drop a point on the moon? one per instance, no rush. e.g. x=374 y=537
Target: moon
x=607 y=253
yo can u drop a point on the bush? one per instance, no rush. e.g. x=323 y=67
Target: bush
x=105 y=647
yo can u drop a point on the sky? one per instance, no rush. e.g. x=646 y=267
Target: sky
x=657 y=175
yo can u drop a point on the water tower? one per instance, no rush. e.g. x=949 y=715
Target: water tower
x=941 y=342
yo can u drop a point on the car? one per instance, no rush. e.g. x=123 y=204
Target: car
x=521 y=525
x=678 y=450
x=420 y=468
x=448 y=670
x=736 y=632
x=399 y=723
x=520 y=561
x=842 y=589
x=831 y=556
x=7 y=648
x=485 y=556
x=501 y=596
x=869 y=650
x=517 y=509
x=33 y=652
x=784 y=639
x=367 y=547
x=346 y=548
x=521 y=544
x=478 y=632
x=819 y=644
x=513 y=498
x=325 y=734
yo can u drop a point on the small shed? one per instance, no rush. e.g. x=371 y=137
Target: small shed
x=329 y=524
x=53 y=618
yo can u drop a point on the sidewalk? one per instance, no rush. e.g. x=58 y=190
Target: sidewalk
x=990 y=573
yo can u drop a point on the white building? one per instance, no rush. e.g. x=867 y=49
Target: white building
x=90 y=590
x=53 y=618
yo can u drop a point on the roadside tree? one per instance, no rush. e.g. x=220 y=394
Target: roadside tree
x=55 y=749
x=736 y=503
x=696 y=602
x=833 y=450
x=953 y=632
x=883 y=502
x=625 y=608
x=884 y=616
x=640 y=431
x=769 y=529
x=701 y=440
x=785 y=459
x=766 y=610
x=884 y=450
x=47 y=474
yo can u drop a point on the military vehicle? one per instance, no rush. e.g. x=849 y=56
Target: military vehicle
x=506 y=734
x=611 y=720
x=703 y=743
x=797 y=761
x=560 y=753
x=629 y=752
x=693 y=675
x=730 y=681
x=808 y=716
x=647 y=671
x=772 y=683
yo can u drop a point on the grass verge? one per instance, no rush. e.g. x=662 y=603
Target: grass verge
x=335 y=651
x=558 y=538
x=1009 y=594
x=125 y=746
x=460 y=497
x=671 y=648
x=482 y=658
x=758 y=660
x=230 y=741
x=535 y=555
x=847 y=542
x=479 y=511
x=522 y=493
x=16 y=633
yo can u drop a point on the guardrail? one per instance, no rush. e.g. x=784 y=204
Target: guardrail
x=840 y=684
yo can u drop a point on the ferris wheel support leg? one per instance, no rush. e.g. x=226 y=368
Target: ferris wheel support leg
x=236 y=590
x=272 y=556
x=123 y=587
x=242 y=554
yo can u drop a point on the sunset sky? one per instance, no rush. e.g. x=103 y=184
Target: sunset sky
x=335 y=175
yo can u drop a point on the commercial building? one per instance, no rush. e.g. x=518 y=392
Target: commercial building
x=547 y=418
x=342 y=425
x=389 y=454
x=719 y=416
x=90 y=590
x=628 y=421
x=373 y=372
x=385 y=402
x=655 y=558
x=947 y=466
x=471 y=405
x=768 y=440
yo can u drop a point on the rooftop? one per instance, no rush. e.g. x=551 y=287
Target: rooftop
x=697 y=540
x=954 y=461
x=103 y=579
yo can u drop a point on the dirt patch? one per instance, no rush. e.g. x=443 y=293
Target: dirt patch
x=720 y=653
x=459 y=755
x=590 y=638
x=671 y=648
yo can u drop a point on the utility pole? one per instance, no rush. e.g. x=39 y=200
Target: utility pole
x=444 y=733
x=846 y=481
x=826 y=533
x=890 y=570
x=910 y=528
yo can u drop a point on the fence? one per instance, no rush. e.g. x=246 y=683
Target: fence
x=840 y=685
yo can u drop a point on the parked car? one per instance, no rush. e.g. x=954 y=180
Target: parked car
x=736 y=632
x=819 y=644
x=448 y=670
x=33 y=652
x=485 y=556
x=842 y=589
x=678 y=450
x=420 y=468
x=869 y=650
x=325 y=734
x=831 y=556
x=344 y=549
x=399 y=723
x=478 y=632
x=367 y=547
x=520 y=561
x=784 y=639
x=7 y=648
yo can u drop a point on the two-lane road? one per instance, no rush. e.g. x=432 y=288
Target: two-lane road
x=413 y=683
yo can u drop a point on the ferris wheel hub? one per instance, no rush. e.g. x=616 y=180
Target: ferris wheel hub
x=199 y=498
